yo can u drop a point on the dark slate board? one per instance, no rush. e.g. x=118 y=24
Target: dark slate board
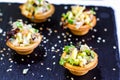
x=43 y=63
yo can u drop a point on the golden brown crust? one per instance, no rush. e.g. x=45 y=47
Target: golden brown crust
x=83 y=29
x=26 y=49
x=77 y=70
x=39 y=17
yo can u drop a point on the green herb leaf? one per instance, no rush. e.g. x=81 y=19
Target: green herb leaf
x=36 y=30
x=62 y=61
x=39 y=1
x=70 y=60
x=64 y=16
x=92 y=54
x=70 y=21
x=19 y=25
x=67 y=49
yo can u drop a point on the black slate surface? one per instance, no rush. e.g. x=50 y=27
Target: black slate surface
x=43 y=63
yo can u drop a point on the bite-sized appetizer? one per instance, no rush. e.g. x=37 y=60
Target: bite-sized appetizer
x=37 y=10
x=78 y=61
x=79 y=20
x=23 y=38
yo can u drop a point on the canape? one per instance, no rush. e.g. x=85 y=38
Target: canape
x=79 y=61
x=23 y=38
x=37 y=10
x=79 y=20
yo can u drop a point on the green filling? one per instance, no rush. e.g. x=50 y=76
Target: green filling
x=19 y=25
x=82 y=57
x=67 y=49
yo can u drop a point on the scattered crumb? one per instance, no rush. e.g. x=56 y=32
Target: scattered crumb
x=8 y=70
x=41 y=76
x=65 y=7
x=94 y=77
x=1 y=30
x=25 y=71
x=105 y=29
x=72 y=78
x=114 y=47
x=114 y=69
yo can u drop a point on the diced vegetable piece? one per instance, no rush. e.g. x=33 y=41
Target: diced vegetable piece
x=73 y=55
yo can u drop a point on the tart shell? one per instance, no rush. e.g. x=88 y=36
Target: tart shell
x=39 y=17
x=79 y=71
x=25 y=49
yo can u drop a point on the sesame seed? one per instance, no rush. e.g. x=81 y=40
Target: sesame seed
x=55 y=45
x=83 y=40
x=32 y=61
x=55 y=31
x=41 y=64
x=65 y=7
x=63 y=34
x=41 y=28
x=114 y=47
x=36 y=54
x=49 y=20
x=33 y=74
x=96 y=8
x=70 y=35
x=105 y=29
x=1 y=58
x=1 y=14
x=60 y=23
x=72 y=78
x=41 y=76
x=94 y=77
x=53 y=57
x=1 y=30
x=98 y=19
x=65 y=40
x=28 y=56
x=29 y=65
x=48 y=68
x=22 y=59
x=54 y=63
x=95 y=30
x=114 y=69
x=25 y=71
x=59 y=41
x=69 y=39
x=8 y=70
x=103 y=40
x=58 y=37
x=98 y=41
x=99 y=38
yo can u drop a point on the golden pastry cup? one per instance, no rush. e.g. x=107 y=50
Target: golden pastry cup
x=25 y=49
x=83 y=29
x=39 y=17
x=79 y=71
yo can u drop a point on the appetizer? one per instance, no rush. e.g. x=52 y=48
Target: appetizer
x=78 y=61
x=79 y=20
x=23 y=38
x=37 y=10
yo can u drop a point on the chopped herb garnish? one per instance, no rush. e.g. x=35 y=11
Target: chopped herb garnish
x=19 y=25
x=67 y=49
x=62 y=61
x=70 y=21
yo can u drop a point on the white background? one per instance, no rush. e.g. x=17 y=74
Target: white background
x=109 y=3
